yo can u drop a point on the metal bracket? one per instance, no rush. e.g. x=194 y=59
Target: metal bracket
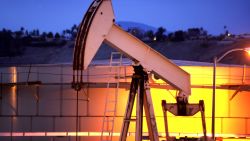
x=181 y=109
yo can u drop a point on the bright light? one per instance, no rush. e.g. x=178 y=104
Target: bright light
x=247 y=50
x=154 y=38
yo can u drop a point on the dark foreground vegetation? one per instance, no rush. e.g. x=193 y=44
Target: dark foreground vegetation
x=194 y=44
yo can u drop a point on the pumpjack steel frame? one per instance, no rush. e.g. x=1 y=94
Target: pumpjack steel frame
x=97 y=27
x=140 y=86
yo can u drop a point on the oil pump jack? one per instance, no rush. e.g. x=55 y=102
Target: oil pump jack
x=97 y=26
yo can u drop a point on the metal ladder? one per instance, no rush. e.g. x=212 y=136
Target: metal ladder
x=111 y=98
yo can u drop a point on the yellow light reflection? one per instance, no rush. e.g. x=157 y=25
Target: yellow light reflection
x=247 y=50
x=13 y=95
x=201 y=81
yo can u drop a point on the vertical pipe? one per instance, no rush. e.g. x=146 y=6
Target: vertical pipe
x=17 y=93
x=164 y=110
x=28 y=74
x=213 y=98
x=88 y=92
x=11 y=128
x=1 y=92
x=54 y=126
x=125 y=73
x=244 y=74
x=80 y=127
x=229 y=107
x=61 y=90
x=129 y=108
x=31 y=126
x=13 y=94
x=202 y=110
x=77 y=114
x=37 y=100
x=221 y=123
x=37 y=93
x=149 y=112
x=246 y=126
x=139 y=110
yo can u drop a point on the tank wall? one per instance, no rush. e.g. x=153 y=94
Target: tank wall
x=51 y=106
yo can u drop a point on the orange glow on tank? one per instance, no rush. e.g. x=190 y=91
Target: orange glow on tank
x=201 y=81
x=232 y=117
x=202 y=77
x=13 y=96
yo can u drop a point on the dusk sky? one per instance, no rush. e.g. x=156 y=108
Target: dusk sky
x=56 y=15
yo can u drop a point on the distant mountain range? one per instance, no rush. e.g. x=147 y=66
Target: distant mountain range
x=127 y=24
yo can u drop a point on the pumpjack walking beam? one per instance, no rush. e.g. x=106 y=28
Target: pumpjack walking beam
x=139 y=86
x=98 y=26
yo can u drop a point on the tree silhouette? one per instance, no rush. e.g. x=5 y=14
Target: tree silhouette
x=159 y=34
x=150 y=35
x=22 y=30
x=226 y=32
x=37 y=32
x=74 y=30
x=10 y=45
x=225 y=27
x=63 y=33
x=26 y=32
x=57 y=35
x=50 y=35
x=194 y=33
x=179 y=36
x=137 y=32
